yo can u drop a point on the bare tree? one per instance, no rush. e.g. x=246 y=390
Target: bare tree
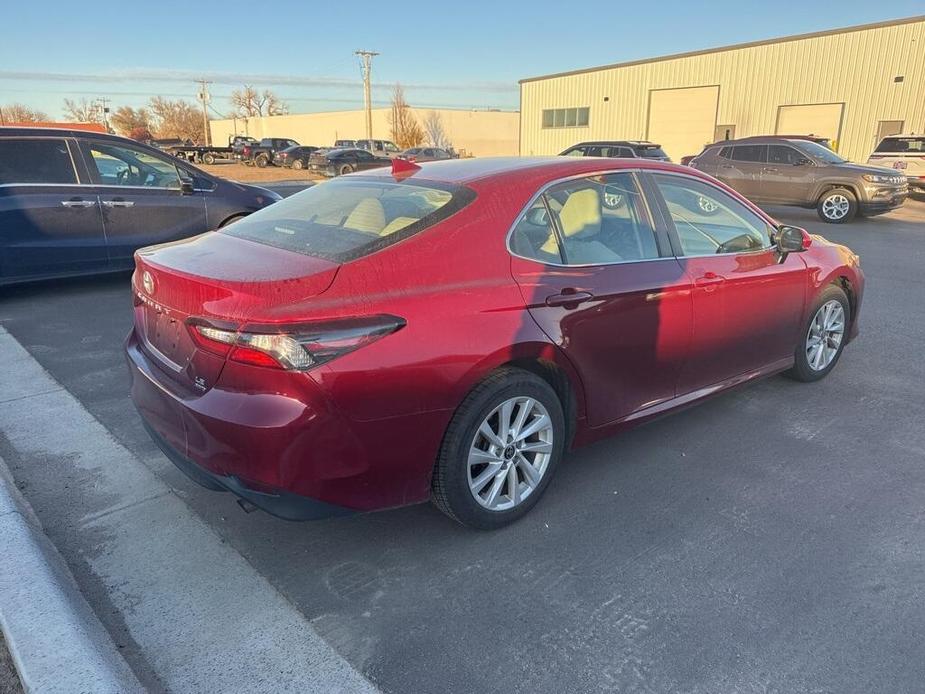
x=126 y=119
x=248 y=102
x=436 y=135
x=406 y=131
x=19 y=113
x=179 y=119
x=82 y=111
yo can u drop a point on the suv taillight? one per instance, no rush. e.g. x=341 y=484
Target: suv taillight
x=293 y=347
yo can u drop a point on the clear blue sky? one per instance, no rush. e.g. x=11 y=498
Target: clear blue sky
x=455 y=54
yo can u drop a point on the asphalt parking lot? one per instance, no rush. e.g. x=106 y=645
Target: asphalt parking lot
x=769 y=540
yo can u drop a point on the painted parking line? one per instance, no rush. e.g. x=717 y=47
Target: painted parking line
x=201 y=616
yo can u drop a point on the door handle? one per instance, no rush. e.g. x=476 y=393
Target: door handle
x=726 y=166
x=568 y=298
x=769 y=168
x=709 y=281
x=78 y=203
x=118 y=203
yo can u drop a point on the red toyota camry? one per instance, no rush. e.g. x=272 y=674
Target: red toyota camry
x=447 y=331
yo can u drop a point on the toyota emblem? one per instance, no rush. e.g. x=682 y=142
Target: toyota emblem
x=147 y=282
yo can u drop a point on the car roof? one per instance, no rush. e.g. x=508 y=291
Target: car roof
x=765 y=139
x=20 y=131
x=624 y=143
x=465 y=171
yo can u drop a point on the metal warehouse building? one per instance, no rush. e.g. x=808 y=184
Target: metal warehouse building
x=851 y=85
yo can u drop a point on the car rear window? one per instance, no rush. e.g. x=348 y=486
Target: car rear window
x=351 y=217
x=651 y=152
x=35 y=161
x=915 y=145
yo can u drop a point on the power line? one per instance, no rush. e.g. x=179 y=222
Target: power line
x=366 y=65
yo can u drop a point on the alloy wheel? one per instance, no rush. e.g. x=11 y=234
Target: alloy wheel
x=835 y=206
x=826 y=332
x=510 y=453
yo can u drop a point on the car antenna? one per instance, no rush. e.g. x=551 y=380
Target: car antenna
x=403 y=167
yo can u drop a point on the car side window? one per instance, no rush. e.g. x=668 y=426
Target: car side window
x=576 y=152
x=602 y=220
x=534 y=236
x=363 y=154
x=750 y=153
x=124 y=166
x=723 y=153
x=782 y=154
x=35 y=161
x=708 y=220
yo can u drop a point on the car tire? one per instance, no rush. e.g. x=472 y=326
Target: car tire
x=837 y=206
x=208 y=158
x=345 y=169
x=297 y=164
x=822 y=330
x=261 y=161
x=515 y=393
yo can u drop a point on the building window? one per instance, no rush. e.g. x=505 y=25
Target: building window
x=566 y=117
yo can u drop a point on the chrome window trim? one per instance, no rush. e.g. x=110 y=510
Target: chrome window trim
x=95 y=185
x=575 y=177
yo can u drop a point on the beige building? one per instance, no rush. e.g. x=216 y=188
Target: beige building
x=476 y=133
x=851 y=85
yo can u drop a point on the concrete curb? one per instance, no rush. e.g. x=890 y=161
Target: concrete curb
x=56 y=641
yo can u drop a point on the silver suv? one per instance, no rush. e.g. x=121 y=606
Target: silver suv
x=906 y=155
x=793 y=171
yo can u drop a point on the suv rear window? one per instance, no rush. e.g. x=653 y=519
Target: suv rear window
x=752 y=153
x=650 y=152
x=902 y=145
x=35 y=161
x=348 y=218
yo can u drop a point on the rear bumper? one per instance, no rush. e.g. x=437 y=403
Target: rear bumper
x=276 y=502
x=276 y=439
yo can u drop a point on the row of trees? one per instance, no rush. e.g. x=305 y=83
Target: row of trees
x=164 y=118
x=161 y=118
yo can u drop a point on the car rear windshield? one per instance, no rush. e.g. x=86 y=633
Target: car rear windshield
x=915 y=145
x=651 y=152
x=351 y=217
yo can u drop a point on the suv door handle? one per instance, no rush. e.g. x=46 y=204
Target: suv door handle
x=726 y=166
x=569 y=298
x=118 y=203
x=769 y=168
x=78 y=203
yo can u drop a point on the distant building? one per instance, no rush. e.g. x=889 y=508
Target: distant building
x=853 y=85
x=472 y=132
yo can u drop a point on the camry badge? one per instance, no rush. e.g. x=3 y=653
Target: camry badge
x=147 y=282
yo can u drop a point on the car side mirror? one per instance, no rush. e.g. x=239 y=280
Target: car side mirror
x=803 y=162
x=791 y=239
x=186 y=186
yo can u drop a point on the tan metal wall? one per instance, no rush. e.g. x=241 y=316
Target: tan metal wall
x=855 y=67
x=479 y=133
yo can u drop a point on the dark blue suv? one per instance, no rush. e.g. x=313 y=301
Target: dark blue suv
x=74 y=202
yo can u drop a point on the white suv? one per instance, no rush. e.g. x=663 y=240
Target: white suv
x=906 y=154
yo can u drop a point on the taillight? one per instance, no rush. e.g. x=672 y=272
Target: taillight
x=294 y=347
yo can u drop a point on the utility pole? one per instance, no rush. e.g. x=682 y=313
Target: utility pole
x=102 y=103
x=366 y=61
x=205 y=98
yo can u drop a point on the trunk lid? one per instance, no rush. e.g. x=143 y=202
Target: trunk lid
x=222 y=279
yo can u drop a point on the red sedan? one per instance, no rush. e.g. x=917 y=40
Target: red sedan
x=447 y=331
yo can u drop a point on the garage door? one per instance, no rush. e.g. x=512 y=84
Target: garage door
x=682 y=120
x=821 y=120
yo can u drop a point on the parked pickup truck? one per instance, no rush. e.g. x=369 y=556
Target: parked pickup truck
x=264 y=152
x=207 y=154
